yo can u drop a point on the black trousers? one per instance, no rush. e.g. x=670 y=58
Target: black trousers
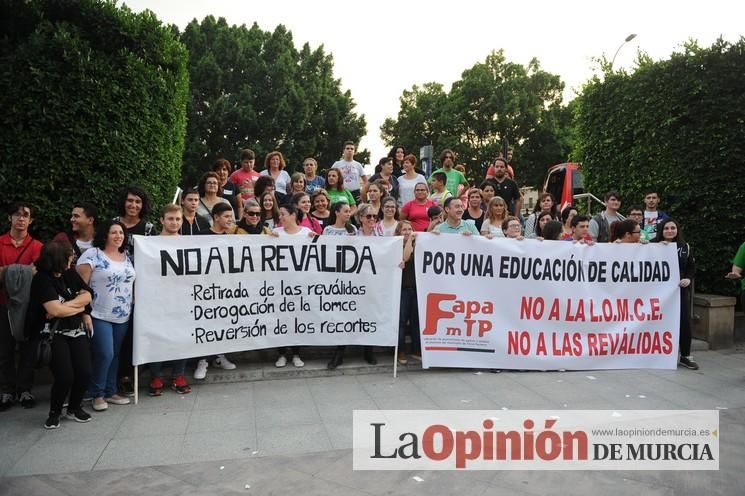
x=72 y=369
x=126 y=369
x=684 y=341
x=15 y=378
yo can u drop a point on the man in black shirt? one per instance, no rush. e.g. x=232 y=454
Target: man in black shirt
x=506 y=187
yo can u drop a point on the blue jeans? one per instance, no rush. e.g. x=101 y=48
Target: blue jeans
x=107 y=342
x=408 y=322
x=177 y=368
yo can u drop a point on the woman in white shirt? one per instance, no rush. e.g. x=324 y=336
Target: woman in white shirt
x=274 y=166
x=108 y=271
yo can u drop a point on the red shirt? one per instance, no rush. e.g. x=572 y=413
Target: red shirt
x=245 y=182
x=417 y=214
x=9 y=254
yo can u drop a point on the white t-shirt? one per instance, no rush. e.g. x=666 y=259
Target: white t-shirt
x=281 y=182
x=650 y=219
x=352 y=172
x=406 y=188
x=83 y=245
x=495 y=230
x=304 y=231
x=112 y=284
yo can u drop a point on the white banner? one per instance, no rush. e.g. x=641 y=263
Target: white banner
x=535 y=305
x=204 y=295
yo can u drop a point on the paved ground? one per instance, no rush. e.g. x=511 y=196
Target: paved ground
x=294 y=435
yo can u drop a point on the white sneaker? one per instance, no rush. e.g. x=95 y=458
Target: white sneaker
x=224 y=363
x=297 y=362
x=201 y=371
x=281 y=361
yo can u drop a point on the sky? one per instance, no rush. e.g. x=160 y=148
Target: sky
x=383 y=47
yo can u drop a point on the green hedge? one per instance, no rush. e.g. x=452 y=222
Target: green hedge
x=677 y=125
x=94 y=98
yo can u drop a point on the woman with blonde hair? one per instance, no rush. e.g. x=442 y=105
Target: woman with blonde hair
x=496 y=213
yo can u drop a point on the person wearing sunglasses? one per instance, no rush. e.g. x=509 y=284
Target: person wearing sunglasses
x=251 y=221
x=367 y=217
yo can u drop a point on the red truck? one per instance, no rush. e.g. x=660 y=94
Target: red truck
x=564 y=181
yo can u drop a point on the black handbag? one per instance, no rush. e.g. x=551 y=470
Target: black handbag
x=44 y=350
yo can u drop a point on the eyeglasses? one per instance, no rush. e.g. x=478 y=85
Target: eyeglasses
x=390 y=206
x=370 y=216
x=510 y=226
x=252 y=214
x=636 y=232
x=420 y=190
x=21 y=216
x=211 y=182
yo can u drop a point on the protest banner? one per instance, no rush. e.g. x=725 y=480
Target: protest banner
x=204 y=295
x=542 y=305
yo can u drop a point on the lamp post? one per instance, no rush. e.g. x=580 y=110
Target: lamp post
x=628 y=38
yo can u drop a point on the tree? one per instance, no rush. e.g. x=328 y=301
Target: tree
x=493 y=100
x=674 y=125
x=93 y=98
x=254 y=89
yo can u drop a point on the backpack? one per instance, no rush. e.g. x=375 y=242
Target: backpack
x=603 y=228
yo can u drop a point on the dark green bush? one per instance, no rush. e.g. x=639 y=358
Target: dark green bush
x=677 y=125
x=93 y=98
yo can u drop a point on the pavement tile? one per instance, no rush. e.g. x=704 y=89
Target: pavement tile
x=141 y=480
x=221 y=420
x=50 y=455
x=27 y=486
x=293 y=439
x=142 y=425
x=221 y=396
x=11 y=453
x=288 y=413
x=205 y=446
x=140 y=452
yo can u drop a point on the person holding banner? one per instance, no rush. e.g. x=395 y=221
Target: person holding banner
x=171 y=219
x=512 y=228
x=290 y=216
x=222 y=223
x=342 y=227
x=625 y=231
x=668 y=231
x=454 y=223
x=251 y=221
x=339 y=221
x=408 y=322
x=109 y=272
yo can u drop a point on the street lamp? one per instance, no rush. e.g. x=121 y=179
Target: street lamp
x=628 y=38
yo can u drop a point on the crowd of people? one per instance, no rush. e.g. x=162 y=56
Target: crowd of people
x=76 y=291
